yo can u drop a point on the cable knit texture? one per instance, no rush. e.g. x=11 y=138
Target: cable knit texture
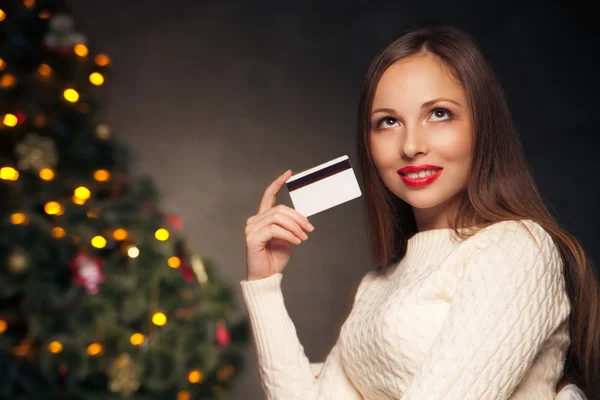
x=485 y=318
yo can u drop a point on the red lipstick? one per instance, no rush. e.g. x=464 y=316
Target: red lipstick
x=419 y=182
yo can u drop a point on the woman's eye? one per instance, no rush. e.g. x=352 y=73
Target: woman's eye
x=385 y=122
x=440 y=113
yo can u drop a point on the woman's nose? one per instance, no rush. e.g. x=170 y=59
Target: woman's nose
x=414 y=142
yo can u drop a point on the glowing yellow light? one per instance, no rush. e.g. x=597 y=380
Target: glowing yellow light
x=133 y=252
x=81 y=50
x=8 y=80
x=102 y=60
x=28 y=3
x=98 y=242
x=44 y=70
x=44 y=14
x=46 y=174
x=174 y=262
x=161 y=234
x=2 y=15
x=94 y=349
x=159 y=319
x=137 y=339
x=82 y=192
x=3 y=326
x=9 y=174
x=10 y=120
x=96 y=78
x=184 y=395
x=53 y=208
x=18 y=218
x=195 y=376
x=78 y=201
x=58 y=232
x=2 y=64
x=120 y=234
x=55 y=347
x=71 y=95
x=101 y=175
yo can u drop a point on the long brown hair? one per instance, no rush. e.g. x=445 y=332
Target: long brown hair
x=500 y=186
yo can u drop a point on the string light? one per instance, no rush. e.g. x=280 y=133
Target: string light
x=93 y=213
x=55 y=347
x=159 y=319
x=53 y=208
x=29 y=3
x=96 y=78
x=120 y=234
x=18 y=218
x=161 y=234
x=22 y=349
x=58 y=232
x=8 y=80
x=174 y=262
x=195 y=376
x=2 y=64
x=2 y=15
x=102 y=60
x=133 y=252
x=98 y=242
x=71 y=95
x=94 y=349
x=184 y=395
x=10 y=120
x=46 y=174
x=81 y=50
x=137 y=339
x=9 y=174
x=226 y=372
x=3 y=326
x=45 y=14
x=101 y=175
x=82 y=192
x=44 y=70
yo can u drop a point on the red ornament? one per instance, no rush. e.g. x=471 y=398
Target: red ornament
x=185 y=268
x=87 y=271
x=222 y=335
x=20 y=117
x=174 y=221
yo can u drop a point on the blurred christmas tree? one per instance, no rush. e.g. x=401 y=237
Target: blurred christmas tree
x=100 y=298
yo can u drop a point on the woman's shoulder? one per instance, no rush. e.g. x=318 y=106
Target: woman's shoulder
x=514 y=235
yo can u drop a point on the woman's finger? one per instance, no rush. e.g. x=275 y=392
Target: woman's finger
x=282 y=219
x=273 y=231
x=270 y=194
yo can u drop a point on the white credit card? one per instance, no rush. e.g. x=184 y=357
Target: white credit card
x=323 y=187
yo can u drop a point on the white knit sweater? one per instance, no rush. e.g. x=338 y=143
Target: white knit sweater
x=485 y=318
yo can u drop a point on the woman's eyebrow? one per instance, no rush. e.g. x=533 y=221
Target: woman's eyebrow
x=425 y=105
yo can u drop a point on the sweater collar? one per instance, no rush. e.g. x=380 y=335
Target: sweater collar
x=431 y=246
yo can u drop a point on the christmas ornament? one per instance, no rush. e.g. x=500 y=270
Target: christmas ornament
x=18 y=262
x=123 y=376
x=185 y=267
x=36 y=153
x=87 y=271
x=222 y=336
x=60 y=37
x=174 y=221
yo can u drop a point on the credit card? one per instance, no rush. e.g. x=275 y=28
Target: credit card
x=323 y=187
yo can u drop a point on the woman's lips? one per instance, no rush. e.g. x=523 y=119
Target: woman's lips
x=420 y=182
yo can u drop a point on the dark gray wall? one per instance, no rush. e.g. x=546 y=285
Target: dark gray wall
x=218 y=98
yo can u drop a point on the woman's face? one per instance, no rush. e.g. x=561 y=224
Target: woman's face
x=420 y=116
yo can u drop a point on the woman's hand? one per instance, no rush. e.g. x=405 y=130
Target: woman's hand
x=271 y=232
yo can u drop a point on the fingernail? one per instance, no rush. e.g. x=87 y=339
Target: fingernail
x=310 y=226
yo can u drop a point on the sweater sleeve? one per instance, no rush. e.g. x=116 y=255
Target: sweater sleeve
x=509 y=298
x=284 y=368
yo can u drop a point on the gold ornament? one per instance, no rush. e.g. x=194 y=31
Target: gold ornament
x=18 y=262
x=36 y=153
x=199 y=270
x=123 y=376
x=103 y=131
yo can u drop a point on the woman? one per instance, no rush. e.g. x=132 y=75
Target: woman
x=480 y=294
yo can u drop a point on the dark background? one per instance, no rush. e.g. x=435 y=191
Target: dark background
x=219 y=98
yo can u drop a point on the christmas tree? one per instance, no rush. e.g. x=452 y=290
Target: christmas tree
x=100 y=296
